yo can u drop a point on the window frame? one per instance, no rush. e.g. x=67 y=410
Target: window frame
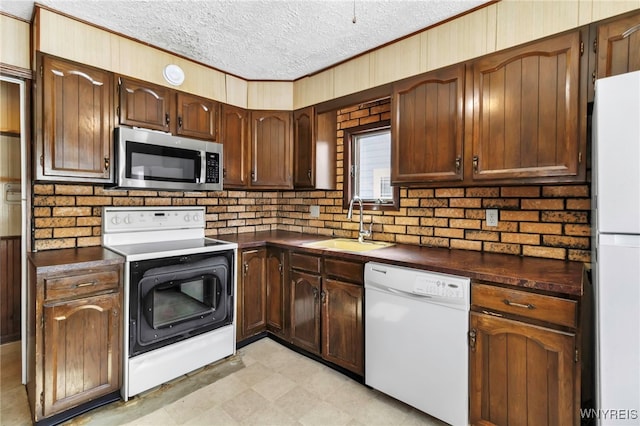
x=348 y=182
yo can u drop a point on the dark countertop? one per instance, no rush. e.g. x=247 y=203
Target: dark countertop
x=74 y=258
x=547 y=275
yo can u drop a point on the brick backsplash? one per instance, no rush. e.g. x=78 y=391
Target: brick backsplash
x=551 y=221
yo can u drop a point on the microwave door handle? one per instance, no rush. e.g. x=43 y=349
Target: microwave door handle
x=203 y=168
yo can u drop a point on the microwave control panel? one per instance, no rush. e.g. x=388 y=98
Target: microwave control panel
x=212 y=167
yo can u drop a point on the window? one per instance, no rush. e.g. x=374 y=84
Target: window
x=368 y=166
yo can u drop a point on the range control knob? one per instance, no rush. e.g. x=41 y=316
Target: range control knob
x=196 y=218
x=187 y=218
x=115 y=220
x=128 y=219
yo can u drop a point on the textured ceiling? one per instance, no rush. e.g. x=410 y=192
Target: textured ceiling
x=258 y=39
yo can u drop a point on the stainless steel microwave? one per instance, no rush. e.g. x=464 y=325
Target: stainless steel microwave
x=154 y=160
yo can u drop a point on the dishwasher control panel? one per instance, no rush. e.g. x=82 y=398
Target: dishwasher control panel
x=437 y=286
x=431 y=286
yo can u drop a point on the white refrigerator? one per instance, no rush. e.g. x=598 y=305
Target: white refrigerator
x=616 y=244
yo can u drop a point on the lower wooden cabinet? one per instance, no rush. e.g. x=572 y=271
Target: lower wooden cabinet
x=305 y=310
x=521 y=372
x=252 y=293
x=343 y=332
x=326 y=309
x=74 y=328
x=277 y=294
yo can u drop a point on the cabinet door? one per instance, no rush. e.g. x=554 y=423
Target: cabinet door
x=81 y=351
x=271 y=153
x=254 y=292
x=304 y=149
x=305 y=311
x=276 y=293
x=342 y=331
x=235 y=139
x=526 y=121
x=145 y=105
x=197 y=117
x=521 y=374
x=619 y=46
x=428 y=127
x=77 y=122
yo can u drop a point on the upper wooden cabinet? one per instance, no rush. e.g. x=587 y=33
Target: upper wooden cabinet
x=314 y=140
x=428 y=127
x=234 y=137
x=526 y=123
x=303 y=142
x=156 y=107
x=74 y=122
x=197 y=117
x=619 y=46
x=271 y=150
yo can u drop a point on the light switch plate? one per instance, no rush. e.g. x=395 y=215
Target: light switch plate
x=314 y=211
x=492 y=217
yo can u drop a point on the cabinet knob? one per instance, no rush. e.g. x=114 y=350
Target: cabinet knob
x=323 y=296
x=458 y=164
x=315 y=293
x=180 y=122
x=106 y=163
x=476 y=160
x=253 y=176
x=167 y=119
x=224 y=173
x=246 y=268
x=309 y=174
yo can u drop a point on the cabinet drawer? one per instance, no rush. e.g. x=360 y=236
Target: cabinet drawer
x=305 y=262
x=349 y=271
x=79 y=285
x=531 y=305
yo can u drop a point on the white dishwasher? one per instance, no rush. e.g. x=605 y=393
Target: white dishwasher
x=416 y=325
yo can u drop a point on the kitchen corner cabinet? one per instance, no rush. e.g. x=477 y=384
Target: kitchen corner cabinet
x=524 y=363
x=428 y=127
x=314 y=140
x=74 y=122
x=155 y=107
x=277 y=296
x=74 y=329
x=252 y=293
x=271 y=150
x=526 y=124
x=327 y=297
x=618 y=45
x=234 y=124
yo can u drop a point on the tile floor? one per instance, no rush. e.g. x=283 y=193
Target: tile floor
x=264 y=384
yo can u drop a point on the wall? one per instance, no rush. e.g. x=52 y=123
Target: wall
x=537 y=221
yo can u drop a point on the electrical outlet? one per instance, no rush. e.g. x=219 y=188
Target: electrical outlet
x=314 y=211
x=492 y=217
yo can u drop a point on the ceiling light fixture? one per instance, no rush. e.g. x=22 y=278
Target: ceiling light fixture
x=173 y=74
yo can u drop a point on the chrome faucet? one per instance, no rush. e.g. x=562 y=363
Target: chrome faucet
x=361 y=232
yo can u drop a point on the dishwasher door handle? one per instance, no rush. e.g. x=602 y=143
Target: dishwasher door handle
x=408 y=293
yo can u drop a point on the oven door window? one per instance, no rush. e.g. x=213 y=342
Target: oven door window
x=159 y=163
x=178 y=301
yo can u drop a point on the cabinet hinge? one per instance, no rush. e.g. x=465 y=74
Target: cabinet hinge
x=42 y=160
x=42 y=321
x=581 y=48
x=595 y=45
x=580 y=157
x=118 y=111
x=42 y=399
x=280 y=268
x=577 y=356
x=41 y=71
x=352 y=172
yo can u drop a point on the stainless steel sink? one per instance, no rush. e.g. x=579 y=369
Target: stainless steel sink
x=347 y=244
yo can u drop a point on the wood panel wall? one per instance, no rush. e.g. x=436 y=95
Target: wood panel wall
x=10 y=276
